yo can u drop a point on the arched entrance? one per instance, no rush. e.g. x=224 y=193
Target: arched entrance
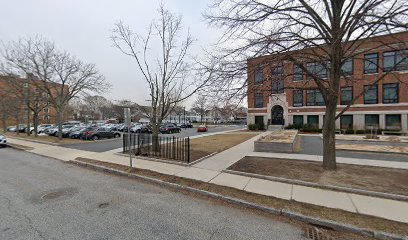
x=277 y=115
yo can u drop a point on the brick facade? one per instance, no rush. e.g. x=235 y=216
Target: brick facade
x=357 y=80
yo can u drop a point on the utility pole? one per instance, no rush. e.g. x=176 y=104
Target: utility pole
x=27 y=100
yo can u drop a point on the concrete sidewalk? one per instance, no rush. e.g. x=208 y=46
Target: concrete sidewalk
x=210 y=170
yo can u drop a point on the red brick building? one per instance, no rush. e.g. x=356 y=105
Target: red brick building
x=281 y=93
x=14 y=94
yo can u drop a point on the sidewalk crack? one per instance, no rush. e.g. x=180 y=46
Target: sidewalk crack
x=352 y=202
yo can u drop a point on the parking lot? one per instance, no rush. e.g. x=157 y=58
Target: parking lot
x=110 y=144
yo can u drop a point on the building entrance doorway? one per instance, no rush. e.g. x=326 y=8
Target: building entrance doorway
x=277 y=115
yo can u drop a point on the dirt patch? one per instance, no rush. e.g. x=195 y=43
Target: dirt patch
x=281 y=136
x=377 y=179
x=204 y=146
x=373 y=148
x=362 y=221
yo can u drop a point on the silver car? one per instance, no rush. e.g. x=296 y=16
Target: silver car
x=3 y=140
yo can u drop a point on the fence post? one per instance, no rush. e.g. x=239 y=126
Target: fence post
x=173 y=149
x=124 y=143
x=188 y=149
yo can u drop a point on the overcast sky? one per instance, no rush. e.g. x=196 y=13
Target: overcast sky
x=83 y=27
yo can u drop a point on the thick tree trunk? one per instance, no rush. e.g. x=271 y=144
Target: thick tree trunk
x=35 y=118
x=329 y=138
x=60 y=119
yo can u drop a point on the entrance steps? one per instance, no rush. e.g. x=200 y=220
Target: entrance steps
x=275 y=127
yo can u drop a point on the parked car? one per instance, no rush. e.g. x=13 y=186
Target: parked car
x=21 y=128
x=77 y=132
x=169 y=128
x=98 y=133
x=202 y=128
x=40 y=128
x=136 y=128
x=186 y=125
x=11 y=128
x=54 y=131
x=3 y=140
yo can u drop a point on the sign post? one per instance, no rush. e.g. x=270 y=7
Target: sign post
x=128 y=123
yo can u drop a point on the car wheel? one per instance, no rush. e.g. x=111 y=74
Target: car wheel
x=116 y=135
x=95 y=137
x=138 y=131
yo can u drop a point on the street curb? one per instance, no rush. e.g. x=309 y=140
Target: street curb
x=390 y=196
x=307 y=219
x=167 y=161
x=19 y=147
x=369 y=151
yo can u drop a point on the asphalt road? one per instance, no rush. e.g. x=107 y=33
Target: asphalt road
x=110 y=144
x=42 y=198
x=314 y=145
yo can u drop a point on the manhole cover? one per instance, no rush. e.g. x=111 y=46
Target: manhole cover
x=59 y=193
x=103 y=205
x=314 y=233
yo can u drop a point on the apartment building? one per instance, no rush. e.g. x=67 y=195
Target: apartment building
x=281 y=93
x=15 y=93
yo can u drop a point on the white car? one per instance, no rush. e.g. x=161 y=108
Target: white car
x=136 y=128
x=3 y=140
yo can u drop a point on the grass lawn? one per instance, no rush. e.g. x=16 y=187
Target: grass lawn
x=377 y=179
x=203 y=146
x=358 y=220
x=46 y=138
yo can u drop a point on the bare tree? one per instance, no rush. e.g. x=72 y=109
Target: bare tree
x=167 y=76
x=332 y=31
x=61 y=76
x=95 y=104
x=9 y=105
x=201 y=106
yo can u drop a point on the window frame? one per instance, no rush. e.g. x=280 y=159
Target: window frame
x=384 y=86
x=395 y=67
x=313 y=71
x=371 y=115
x=255 y=100
x=342 y=120
x=366 y=59
x=341 y=95
x=297 y=66
x=364 y=97
x=258 y=70
x=294 y=104
x=352 y=68
x=277 y=86
x=315 y=91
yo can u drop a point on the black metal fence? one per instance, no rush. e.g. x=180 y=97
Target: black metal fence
x=163 y=147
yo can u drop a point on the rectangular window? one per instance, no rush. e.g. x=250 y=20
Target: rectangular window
x=259 y=120
x=371 y=63
x=395 y=61
x=370 y=94
x=317 y=69
x=346 y=122
x=297 y=73
x=393 y=121
x=258 y=76
x=45 y=110
x=298 y=121
x=346 y=96
x=390 y=93
x=313 y=121
x=372 y=121
x=314 y=98
x=347 y=68
x=277 y=80
x=297 y=98
x=258 y=100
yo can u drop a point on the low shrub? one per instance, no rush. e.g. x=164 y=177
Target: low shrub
x=252 y=127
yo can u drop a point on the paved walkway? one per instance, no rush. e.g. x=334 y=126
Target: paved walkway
x=210 y=170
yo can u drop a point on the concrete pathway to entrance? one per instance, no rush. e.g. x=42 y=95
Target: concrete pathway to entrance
x=210 y=170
